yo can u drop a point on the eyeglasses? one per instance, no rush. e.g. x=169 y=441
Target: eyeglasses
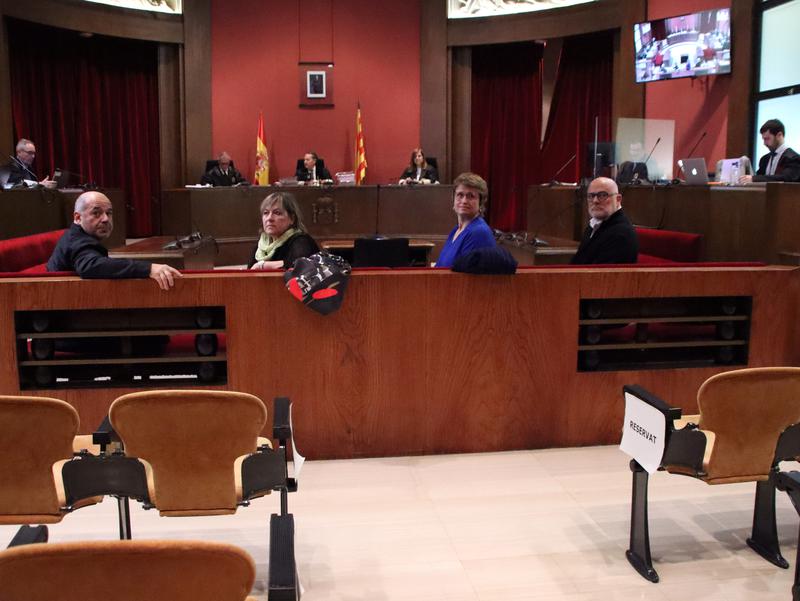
x=601 y=196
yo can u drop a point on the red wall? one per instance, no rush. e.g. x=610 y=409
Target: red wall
x=255 y=48
x=696 y=105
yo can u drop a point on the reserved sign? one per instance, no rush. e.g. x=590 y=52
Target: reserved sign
x=643 y=433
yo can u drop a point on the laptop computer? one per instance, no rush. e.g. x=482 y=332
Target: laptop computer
x=694 y=171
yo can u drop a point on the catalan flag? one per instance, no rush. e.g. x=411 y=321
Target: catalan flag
x=261 y=177
x=361 y=152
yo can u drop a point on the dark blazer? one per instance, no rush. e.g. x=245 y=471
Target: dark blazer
x=18 y=172
x=304 y=175
x=299 y=245
x=615 y=241
x=628 y=169
x=427 y=173
x=216 y=178
x=788 y=169
x=78 y=251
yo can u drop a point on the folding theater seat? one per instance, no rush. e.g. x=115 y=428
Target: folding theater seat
x=197 y=452
x=39 y=437
x=749 y=422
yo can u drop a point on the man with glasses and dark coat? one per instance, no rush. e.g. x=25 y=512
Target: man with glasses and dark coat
x=21 y=167
x=610 y=237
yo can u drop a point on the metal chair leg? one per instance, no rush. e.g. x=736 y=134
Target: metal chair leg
x=282 y=568
x=639 y=552
x=124 y=512
x=764 y=538
x=790 y=482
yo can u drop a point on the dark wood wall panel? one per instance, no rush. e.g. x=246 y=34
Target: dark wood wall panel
x=741 y=89
x=197 y=86
x=461 y=111
x=782 y=239
x=170 y=110
x=434 y=71
x=627 y=95
x=427 y=361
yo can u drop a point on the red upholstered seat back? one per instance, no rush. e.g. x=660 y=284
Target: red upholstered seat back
x=26 y=252
x=680 y=247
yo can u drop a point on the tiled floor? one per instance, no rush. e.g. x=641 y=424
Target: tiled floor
x=526 y=525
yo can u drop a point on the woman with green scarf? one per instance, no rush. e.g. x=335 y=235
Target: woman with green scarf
x=283 y=239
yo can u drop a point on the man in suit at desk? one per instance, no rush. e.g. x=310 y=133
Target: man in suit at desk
x=634 y=170
x=224 y=174
x=21 y=167
x=782 y=164
x=310 y=171
x=610 y=237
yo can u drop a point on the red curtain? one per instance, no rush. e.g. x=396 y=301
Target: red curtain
x=91 y=107
x=582 y=92
x=506 y=126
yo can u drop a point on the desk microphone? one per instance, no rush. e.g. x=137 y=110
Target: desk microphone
x=691 y=152
x=635 y=179
x=554 y=181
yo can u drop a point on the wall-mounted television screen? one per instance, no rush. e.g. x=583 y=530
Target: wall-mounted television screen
x=684 y=46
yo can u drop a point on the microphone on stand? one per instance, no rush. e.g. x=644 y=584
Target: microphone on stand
x=691 y=152
x=652 y=150
x=554 y=181
x=25 y=167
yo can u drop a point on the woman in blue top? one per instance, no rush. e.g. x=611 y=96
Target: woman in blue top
x=472 y=232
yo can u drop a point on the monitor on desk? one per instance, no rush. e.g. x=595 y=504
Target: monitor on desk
x=381 y=252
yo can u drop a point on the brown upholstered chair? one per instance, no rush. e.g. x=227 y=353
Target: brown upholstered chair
x=39 y=435
x=749 y=422
x=198 y=452
x=192 y=444
x=126 y=571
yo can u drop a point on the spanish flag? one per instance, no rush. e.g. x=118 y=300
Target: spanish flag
x=261 y=177
x=361 y=152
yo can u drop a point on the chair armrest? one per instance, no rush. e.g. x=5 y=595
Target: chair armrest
x=87 y=476
x=671 y=413
x=686 y=448
x=262 y=472
x=788 y=446
x=281 y=428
